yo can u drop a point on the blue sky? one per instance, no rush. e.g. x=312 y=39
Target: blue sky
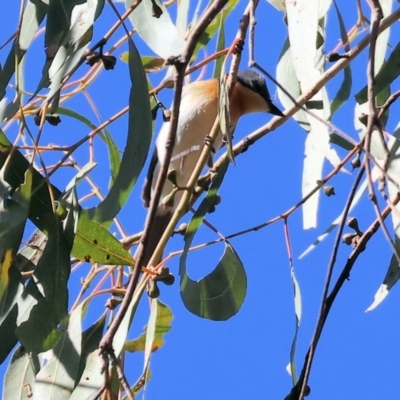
x=246 y=356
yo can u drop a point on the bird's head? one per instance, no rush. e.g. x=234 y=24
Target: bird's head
x=254 y=94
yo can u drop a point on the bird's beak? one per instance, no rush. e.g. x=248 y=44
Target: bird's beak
x=275 y=110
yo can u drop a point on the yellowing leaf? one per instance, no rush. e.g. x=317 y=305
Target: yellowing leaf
x=163 y=325
x=4 y=271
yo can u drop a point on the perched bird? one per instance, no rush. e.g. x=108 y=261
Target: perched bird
x=197 y=113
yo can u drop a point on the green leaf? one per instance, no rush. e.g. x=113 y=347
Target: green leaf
x=387 y=74
x=150 y=63
x=214 y=26
x=220 y=46
x=91 y=238
x=286 y=76
x=20 y=377
x=393 y=272
x=113 y=152
x=33 y=16
x=219 y=295
x=94 y=243
x=297 y=310
x=56 y=380
x=160 y=34
x=340 y=141
x=162 y=326
x=137 y=145
x=43 y=313
x=90 y=342
x=345 y=88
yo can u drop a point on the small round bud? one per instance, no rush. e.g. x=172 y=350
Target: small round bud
x=353 y=224
x=154 y=291
x=363 y=118
x=329 y=190
x=53 y=120
x=348 y=238
x=109 y=62
x=217 y=200
x=355 y=162
x=113 y=303
x=181 y=229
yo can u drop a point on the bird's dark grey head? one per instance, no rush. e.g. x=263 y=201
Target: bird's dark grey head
x=256 y=82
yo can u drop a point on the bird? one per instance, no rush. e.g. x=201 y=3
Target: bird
x=197 y=113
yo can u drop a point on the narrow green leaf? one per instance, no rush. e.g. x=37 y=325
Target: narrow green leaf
x=33 y=16
x=340 y=141
x=345 y=88
x=387 y=74
x=393 y=272
x=214 y=26
x=113 y=152
x=220 y=46
x=297 y=310
x=137 y=145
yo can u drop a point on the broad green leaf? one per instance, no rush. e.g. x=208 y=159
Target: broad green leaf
x=94 y=243
x=162 y=326
x=219 y=295
x=160 y=34
x=344 y=91
x=56 y=380
x=92 y=378
x=7 y=331
x=19 y=381
x=51 y=278
x=137 y=145
x=11 y=282
x=90 y=342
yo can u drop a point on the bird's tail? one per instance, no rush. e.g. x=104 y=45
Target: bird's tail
x=160 y=224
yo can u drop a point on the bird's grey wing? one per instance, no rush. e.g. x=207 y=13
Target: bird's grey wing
x=146 y=192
